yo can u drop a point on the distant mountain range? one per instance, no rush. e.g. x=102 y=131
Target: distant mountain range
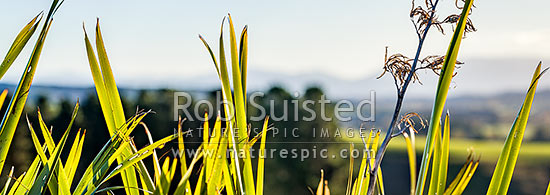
x=478 y=77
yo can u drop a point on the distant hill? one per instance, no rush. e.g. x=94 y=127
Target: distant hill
x=484 y=115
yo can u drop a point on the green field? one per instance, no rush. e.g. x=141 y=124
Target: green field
x=532 y=153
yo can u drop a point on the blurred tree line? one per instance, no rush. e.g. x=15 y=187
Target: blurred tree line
x=291 y=172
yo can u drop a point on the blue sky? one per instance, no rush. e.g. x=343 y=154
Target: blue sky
x=155 y=43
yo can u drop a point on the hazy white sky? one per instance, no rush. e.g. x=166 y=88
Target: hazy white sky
x=155 y=43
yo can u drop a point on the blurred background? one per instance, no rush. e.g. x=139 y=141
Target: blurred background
x=309 y=47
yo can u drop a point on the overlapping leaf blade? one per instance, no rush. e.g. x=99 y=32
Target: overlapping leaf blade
x=235 y=111
x=446 y=75
x=502 y=174
x=111 y=106
x=19 y=98
x=261 y=159
x=19 y=43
